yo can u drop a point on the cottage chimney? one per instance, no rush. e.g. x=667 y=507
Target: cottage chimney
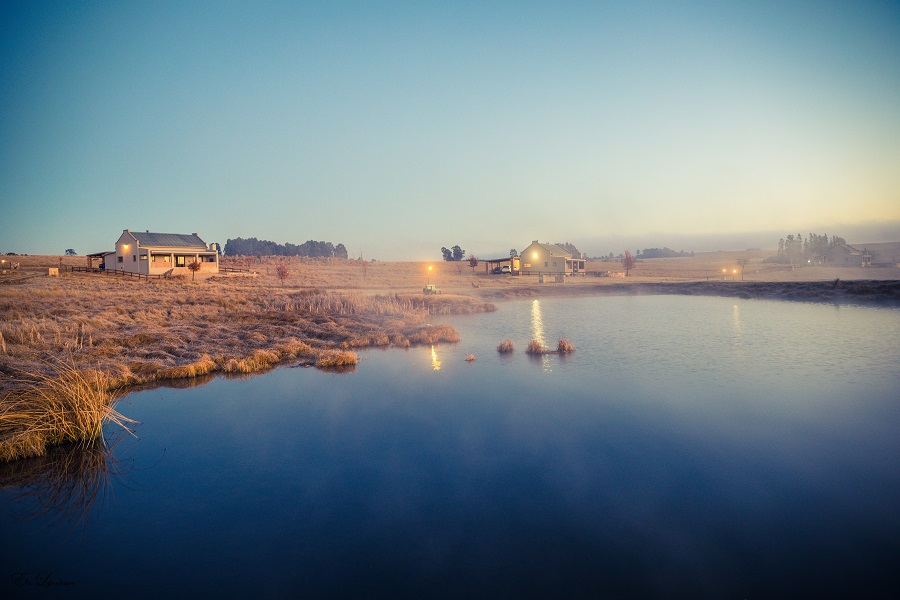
x=195 y=234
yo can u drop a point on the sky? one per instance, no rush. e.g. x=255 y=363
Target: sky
x=397 y=128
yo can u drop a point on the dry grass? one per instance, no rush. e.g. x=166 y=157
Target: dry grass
x=505 y=347
x=66 y=404
x=337 y=360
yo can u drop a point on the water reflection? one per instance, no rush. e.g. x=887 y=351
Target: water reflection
x=736 y=320
x=537 y=322
x=537 y=333
x=435 y=363
x=65 y=484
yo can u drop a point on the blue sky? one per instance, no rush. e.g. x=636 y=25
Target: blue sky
x=396 y=128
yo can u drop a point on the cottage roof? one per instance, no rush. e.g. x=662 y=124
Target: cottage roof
x=168 y=240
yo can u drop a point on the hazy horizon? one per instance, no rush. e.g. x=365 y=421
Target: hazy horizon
x=396 y=128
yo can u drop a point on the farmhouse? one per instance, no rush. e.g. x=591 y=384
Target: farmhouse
x=870 y=255
x=549 y=259
x=161 y=254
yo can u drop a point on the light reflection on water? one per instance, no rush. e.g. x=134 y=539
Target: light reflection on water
x=689 y=447
x=435 y=363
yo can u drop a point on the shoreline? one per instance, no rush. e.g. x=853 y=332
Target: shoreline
x=856 y=292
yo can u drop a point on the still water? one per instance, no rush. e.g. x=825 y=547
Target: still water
x=700 y=447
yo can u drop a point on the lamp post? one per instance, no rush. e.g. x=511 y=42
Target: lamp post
x=428 y=277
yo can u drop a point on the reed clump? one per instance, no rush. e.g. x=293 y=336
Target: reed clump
x=535 y=347
x=565 y=346
x=64 y=404
x=505 y=347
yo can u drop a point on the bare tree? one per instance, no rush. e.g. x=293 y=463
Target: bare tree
x=281 y=272
x=473 y=262
x=194 y=267
x=743 y=263
x=628 y=262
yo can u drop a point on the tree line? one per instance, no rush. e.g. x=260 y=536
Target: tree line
x=814 y=247
x=664 y=252
x=255 y=247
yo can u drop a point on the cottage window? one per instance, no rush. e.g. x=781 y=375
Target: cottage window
x=143 y=257
x=545 y=264
x=133 y=258
x=120 y=258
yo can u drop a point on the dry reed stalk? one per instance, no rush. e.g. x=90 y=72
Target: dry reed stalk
x=505 y=347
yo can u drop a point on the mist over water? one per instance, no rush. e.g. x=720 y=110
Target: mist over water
x=700 y=447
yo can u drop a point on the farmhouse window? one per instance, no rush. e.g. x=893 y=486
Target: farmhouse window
x=143 y=257
x=133 y=258
x=545 y=264
x=120 y=258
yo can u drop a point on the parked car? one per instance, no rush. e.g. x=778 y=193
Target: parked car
x=431 y=289
x=495 y=271
x=505 y=269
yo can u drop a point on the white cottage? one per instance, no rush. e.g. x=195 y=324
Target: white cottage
x=161 y=254
x=549 y=259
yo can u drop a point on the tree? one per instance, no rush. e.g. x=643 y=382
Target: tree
x=458 y=253
x=448 y=255
x=513 y=253
x=743 y=263
x=281 y=272
x=628 y=262
x=473 y=262
x=70 y=252
x=194 y=267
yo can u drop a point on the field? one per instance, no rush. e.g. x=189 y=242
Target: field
x=123 y=333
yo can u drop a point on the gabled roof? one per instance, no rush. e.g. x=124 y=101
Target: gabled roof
x=553 y=249
x=168 y=240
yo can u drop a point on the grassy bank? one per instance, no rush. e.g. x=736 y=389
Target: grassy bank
x=115 y=334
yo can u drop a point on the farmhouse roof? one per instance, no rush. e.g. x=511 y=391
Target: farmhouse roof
x=167 y=240
x=554 y=249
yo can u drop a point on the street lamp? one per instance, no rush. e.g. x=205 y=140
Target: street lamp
x=733 y=274
x=428 y=277
x=724 y=274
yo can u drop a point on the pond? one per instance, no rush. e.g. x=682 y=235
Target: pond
x=689 y=446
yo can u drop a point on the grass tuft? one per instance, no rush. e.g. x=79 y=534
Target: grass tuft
x=337 y=360
x=505 y=347
x=63 y=404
